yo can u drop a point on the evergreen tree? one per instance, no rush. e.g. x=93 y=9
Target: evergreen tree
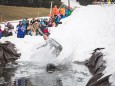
x=35 y=3
x=85 y=2
x=55 y=2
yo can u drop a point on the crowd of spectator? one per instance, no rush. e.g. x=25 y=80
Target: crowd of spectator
x=37 y=26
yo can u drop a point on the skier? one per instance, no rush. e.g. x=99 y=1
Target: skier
x=53 y=44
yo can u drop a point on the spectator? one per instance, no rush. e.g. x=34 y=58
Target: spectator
x=0 y=32
x=27 y=24
x=46 y=31
x=68 y=11
x=5 y=23
x=46 y=21
x=33 y=21
x=62 y=12
x=113 y=1
x=20 y=30
x=24 y=23
x=55 y=10
x=10 y=26
x=31 y=30
x=6 y=32
x=50 y=24
x=42 y=25
x=36 y=26
x=57 y=19
x=53 y=20
x=38 y=20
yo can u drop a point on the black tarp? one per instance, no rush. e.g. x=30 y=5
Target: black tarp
x=8 y=53
x=96 y=66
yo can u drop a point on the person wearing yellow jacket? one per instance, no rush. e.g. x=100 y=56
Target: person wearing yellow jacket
x=62 y=12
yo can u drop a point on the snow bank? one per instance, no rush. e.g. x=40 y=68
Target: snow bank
x=26 y=46
x=86 y=29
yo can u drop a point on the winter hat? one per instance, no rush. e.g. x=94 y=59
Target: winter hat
x=45 y=30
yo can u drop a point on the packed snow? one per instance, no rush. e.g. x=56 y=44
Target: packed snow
x=88 y=28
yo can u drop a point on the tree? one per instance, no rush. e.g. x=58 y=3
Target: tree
x=85 y=2
x=55 y=2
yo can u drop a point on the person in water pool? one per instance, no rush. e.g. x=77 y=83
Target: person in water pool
x=53 y=44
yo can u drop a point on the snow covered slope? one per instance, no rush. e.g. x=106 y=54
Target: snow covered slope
x=87 y=28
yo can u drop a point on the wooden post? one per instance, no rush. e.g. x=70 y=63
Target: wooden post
x=1 y=17
x=51 y=8
x=68 y=2
x=38 y=14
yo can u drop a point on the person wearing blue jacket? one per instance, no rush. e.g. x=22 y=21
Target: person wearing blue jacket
x=20 y=30
x=24 y=23
x=57 y=19
x=68 y=11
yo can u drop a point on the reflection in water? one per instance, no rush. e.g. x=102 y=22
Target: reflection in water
x=6 y=74
x=32 y=74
